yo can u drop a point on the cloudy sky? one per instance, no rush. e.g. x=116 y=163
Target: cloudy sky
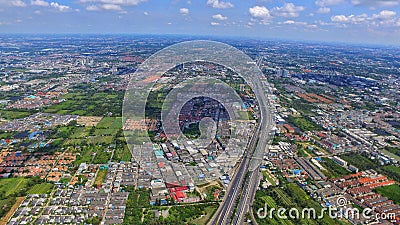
x=358 y=21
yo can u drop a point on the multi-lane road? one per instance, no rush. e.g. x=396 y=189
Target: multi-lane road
x=265 y=136
x=248 y=165
x=225 y=211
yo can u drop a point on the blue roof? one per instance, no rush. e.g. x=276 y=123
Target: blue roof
x=159 y=153
x=296 y=171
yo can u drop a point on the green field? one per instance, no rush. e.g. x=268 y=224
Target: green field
x=334 y=170
x=110 y=123
x=363 y=163
x=304 y=123
x=12 y=186
x=359 y=161
x=44 y=188
x=269 y=178
x=87 y=155
x=391 y=191
x=208 y=213
x=122 y=153
x=101 y=175
x=137 y=200
x=89 y=104
x=11 y=114
x=392 y=171
x=102 y=156
x=104 y=133
x=84 y=155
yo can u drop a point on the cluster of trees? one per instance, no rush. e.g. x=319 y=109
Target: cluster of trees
x=137 y=200
x=93 y=220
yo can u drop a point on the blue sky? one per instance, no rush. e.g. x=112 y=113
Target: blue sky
x=358 y=21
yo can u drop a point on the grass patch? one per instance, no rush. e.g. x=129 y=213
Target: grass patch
x=391 y=191
x=89 y=104
x=333 y=170
x=10 y=114
x=208 y=213
x=269 y=178
x=101 y=175
x=392 y=171
x=44 y=188
x=13 y=185
x=359 y=161
x=304 y=123
x=110 y=123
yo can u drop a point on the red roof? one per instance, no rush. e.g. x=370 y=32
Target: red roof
x=180 y=194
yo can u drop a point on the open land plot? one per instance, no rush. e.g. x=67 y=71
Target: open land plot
x=392 y=192
x=110 y=123
x=43 y=188
x=101 y=175
x=13 y=185
x=89 y=121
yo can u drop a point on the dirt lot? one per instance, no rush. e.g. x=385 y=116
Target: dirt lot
x=89 y=121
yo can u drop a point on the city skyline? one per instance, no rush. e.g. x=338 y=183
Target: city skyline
x=352 y=21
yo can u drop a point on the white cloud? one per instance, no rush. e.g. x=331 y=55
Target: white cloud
x=39 y=3
x=373 y=3
x=54 y=5
x=37 y=12
x=339 y=18
x=287 y=10
x=219 y=17
x=385 y=18
x=146 y=13
x=92 y=8
x=16 y=3
x=324 y=10
x=115 y=2
x=112 y=7
x=219 y=4
x=324 y=3
x=214 y=24
x=292 y=22
x=260 y=12
x=59 y=7
x=385 y=14
x=184 y=11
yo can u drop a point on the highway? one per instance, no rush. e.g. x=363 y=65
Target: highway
x=250 y=188
x=249 y=163
x=225 y=211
